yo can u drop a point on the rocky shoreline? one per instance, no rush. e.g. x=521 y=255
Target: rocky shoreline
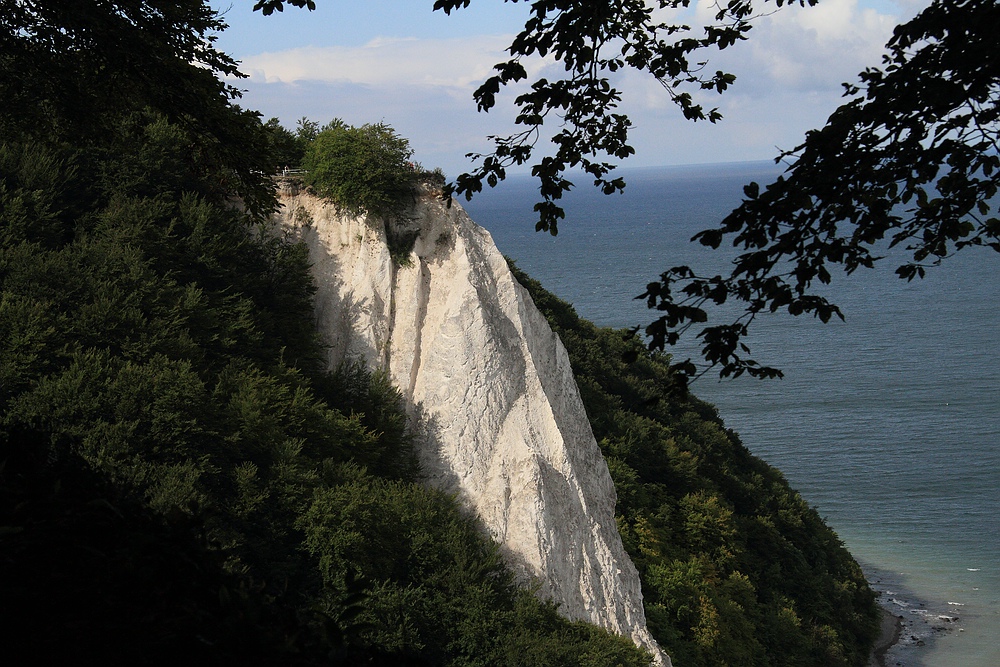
x=909 y=625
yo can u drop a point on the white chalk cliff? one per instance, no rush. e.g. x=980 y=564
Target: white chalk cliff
x=489 y=388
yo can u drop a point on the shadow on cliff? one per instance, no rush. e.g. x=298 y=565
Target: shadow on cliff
x=337 y=311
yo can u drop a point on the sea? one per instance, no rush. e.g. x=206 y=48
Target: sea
x=888 y=423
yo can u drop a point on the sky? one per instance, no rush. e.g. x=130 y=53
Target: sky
x=399 y=62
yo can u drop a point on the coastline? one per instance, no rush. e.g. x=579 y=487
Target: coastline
x=889 y=635
x=909 y=625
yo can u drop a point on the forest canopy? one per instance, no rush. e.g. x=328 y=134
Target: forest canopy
x=181 y=478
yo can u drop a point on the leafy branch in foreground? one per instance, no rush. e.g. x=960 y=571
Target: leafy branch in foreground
x=909 y=163
x=593 y=41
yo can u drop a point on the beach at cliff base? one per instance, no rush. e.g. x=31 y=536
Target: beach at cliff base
x=889 y=634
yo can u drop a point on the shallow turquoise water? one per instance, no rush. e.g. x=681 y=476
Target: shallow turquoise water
x=889 y=424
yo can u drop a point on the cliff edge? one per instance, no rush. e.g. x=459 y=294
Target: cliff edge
x=488 y=387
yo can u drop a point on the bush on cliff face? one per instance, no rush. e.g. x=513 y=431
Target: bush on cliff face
x=736 y=568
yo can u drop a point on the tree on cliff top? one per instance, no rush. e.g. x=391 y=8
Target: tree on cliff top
x=362 y=169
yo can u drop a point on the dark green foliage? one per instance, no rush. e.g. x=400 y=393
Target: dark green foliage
x=268 y=7
x=361 y=169
x=376 y=403
x=133 y=382
x=70 y=70
x=736 y=568
x=89 y=575
x=910 y=161
x=287 y=149
x=180 y=481
x=443 y=594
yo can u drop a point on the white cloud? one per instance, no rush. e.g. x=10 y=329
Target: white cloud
x=819 y=47
x=804 y=51
x=461 y=62
x=789 y=74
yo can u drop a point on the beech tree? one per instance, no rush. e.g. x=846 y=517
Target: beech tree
x=363 y=169
x=71 y=70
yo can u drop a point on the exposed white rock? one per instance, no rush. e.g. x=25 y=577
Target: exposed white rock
x=491 y=391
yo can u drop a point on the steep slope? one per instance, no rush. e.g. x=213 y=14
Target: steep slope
x=489 y=387
x=180 y=483
x=736 y=567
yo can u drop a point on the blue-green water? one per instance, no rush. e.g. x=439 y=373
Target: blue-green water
x=889 y=424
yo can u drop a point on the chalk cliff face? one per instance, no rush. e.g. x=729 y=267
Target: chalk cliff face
x=489 y=388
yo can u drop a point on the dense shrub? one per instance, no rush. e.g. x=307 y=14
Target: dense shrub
x=285 y=147
x=362 y=169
